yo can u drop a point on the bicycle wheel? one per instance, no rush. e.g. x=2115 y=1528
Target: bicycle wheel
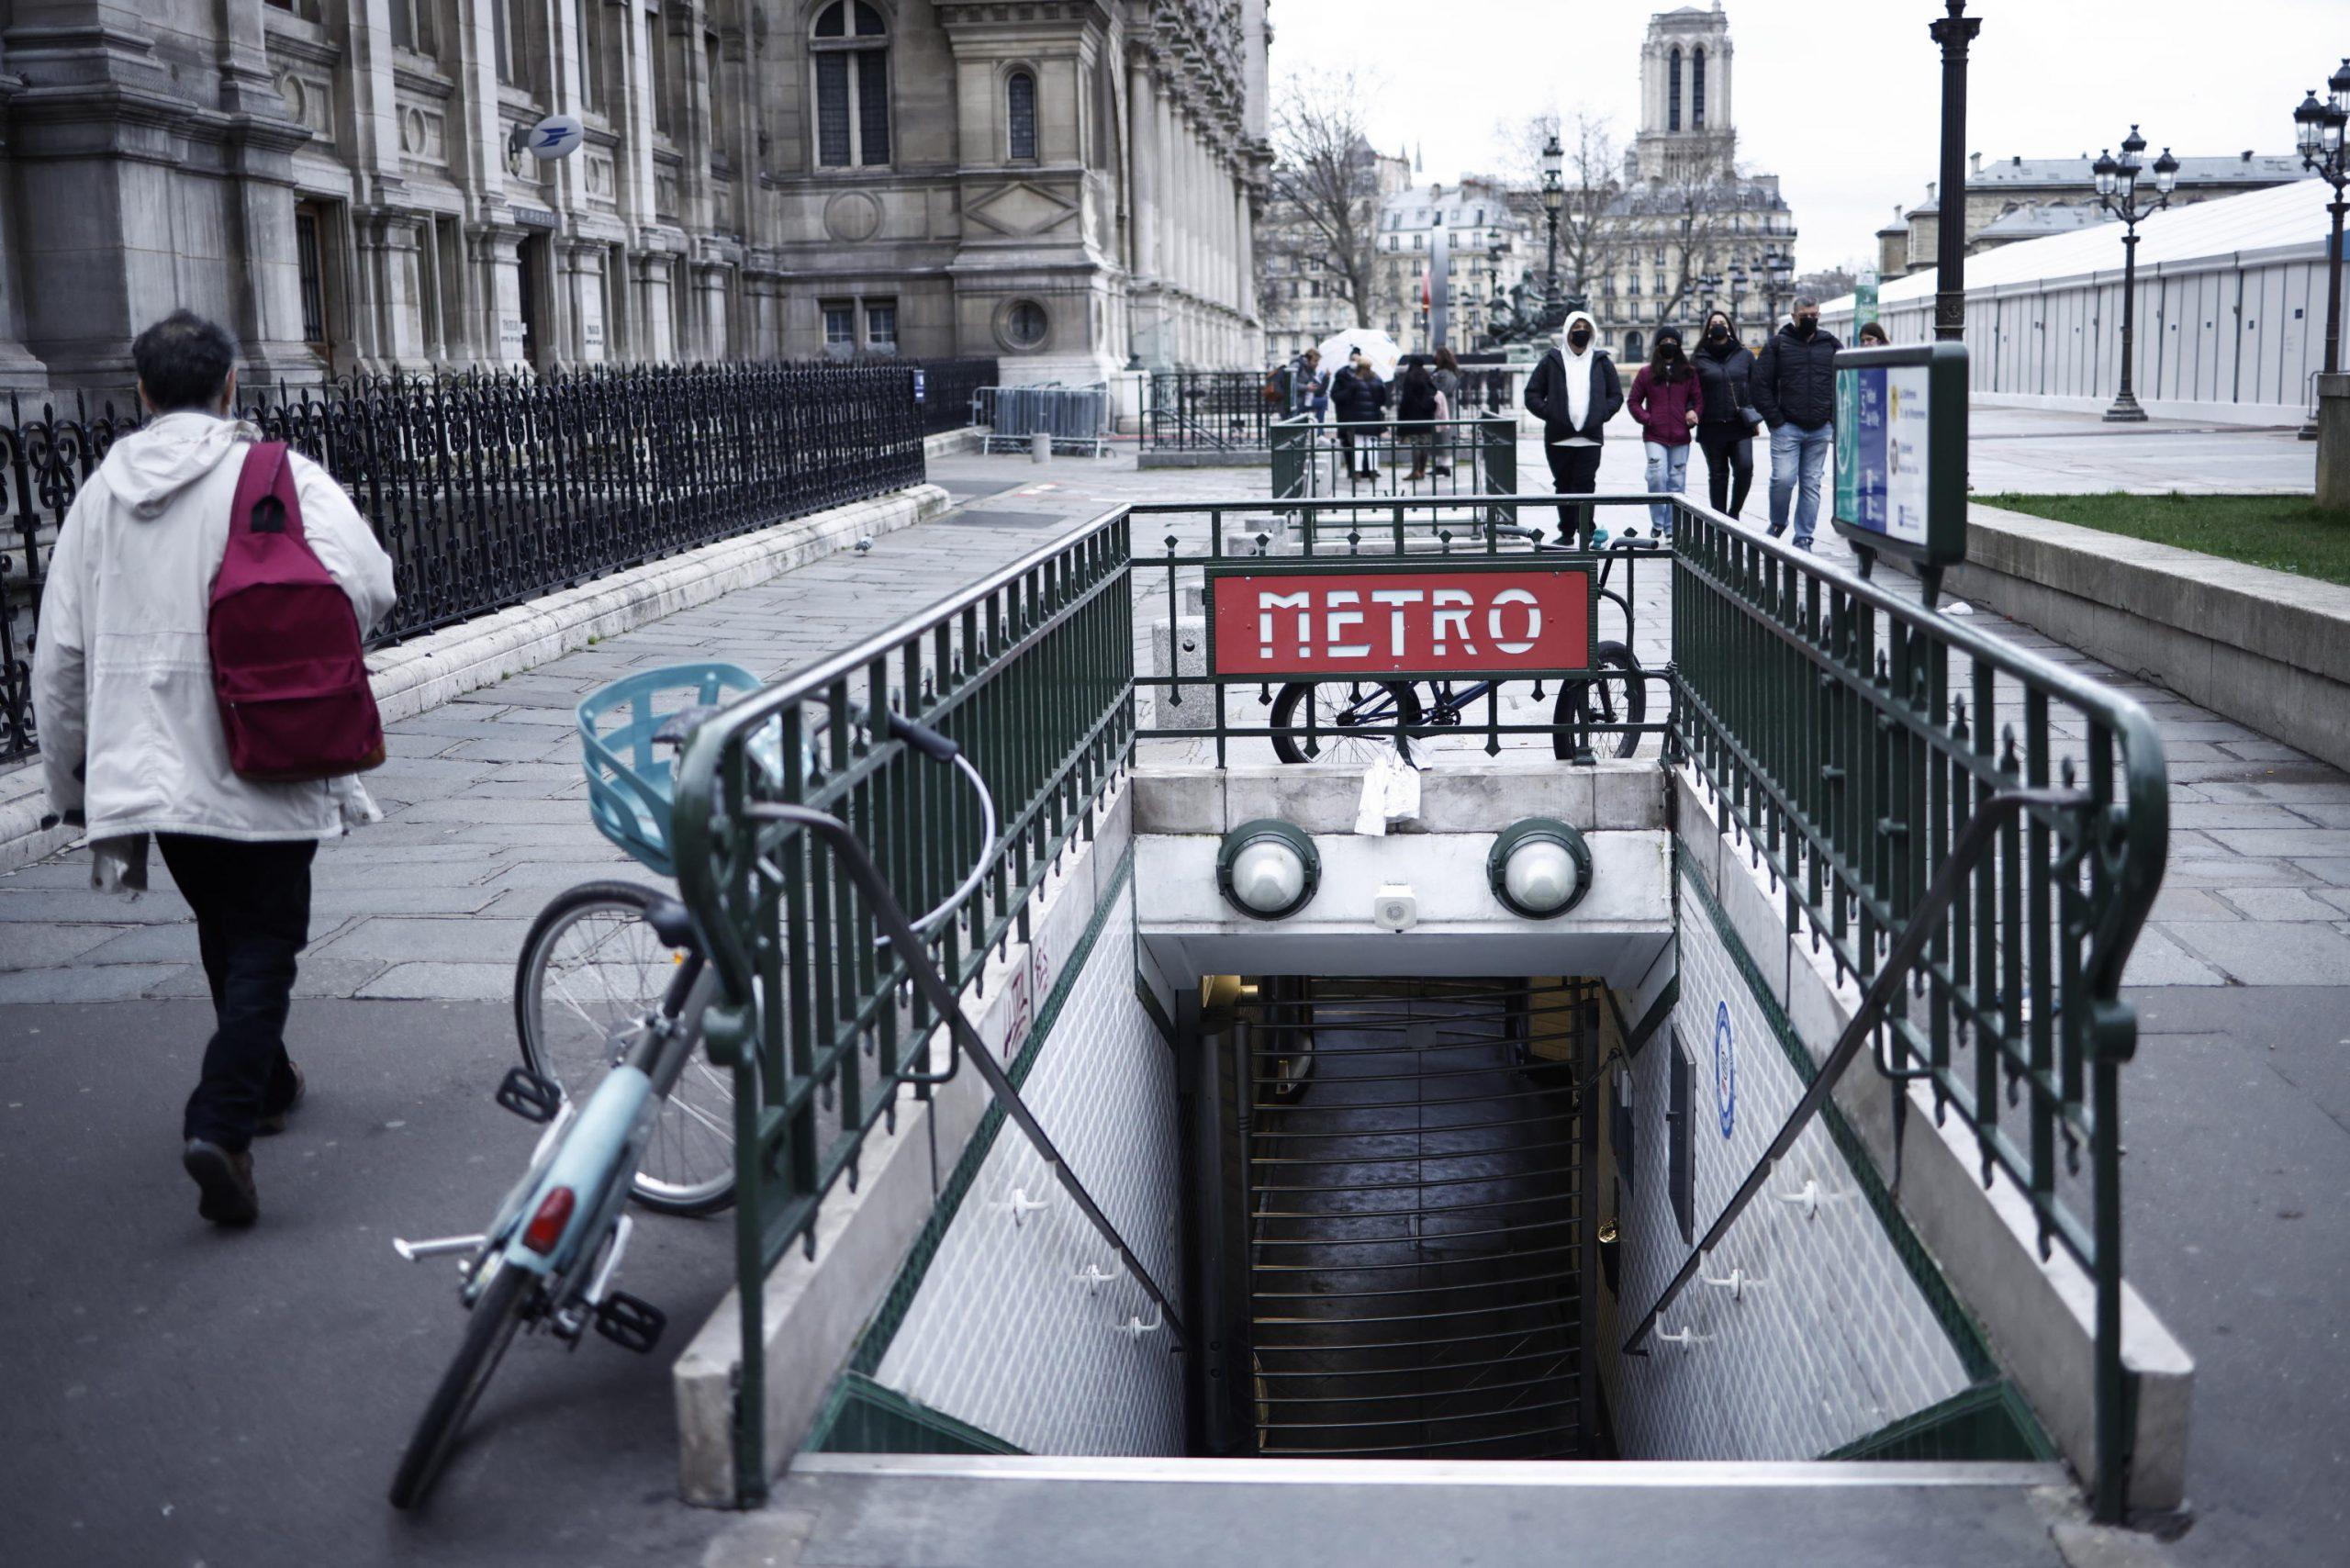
x=1349 y=721
x=497 y=1313
x=1602 y=699
x=591 y=972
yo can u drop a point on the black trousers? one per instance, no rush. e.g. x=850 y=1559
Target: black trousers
x=1574 y=471
x=253 y=915
x=1730 y=466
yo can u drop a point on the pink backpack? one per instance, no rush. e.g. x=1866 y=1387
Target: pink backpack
x=286 y=662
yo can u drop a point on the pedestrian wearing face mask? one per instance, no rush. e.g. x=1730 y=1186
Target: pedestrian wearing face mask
x=1575 y=392
x=1358 y=398
x=1795 y=389
x=1664 y=401
x=1727 y=422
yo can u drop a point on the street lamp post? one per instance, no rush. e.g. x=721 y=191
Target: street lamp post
x=1554 y=196
x=2117 y=192
x=1781 y=268
x=1953 y=32
x=2318 y=132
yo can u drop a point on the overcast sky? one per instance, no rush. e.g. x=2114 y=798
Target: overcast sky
x=1840 y=99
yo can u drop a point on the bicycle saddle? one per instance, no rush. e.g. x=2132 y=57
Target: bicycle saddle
x=672 y=923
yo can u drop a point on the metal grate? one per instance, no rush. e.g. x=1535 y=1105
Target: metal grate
x=1415 y=1231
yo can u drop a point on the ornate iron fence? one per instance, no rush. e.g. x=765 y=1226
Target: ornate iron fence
x=1208 y=411
x=488 y=489
x=1471 y=456
x=947 y=388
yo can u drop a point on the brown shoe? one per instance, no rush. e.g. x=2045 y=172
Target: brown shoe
x=226 y=1182
x=276 y=1121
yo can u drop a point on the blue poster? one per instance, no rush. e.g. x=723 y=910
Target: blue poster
x=1881 y=425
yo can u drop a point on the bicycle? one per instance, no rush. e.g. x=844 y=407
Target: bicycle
x=1355 y=721
x=547 y=1262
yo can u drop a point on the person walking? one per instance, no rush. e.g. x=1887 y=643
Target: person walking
x=1726 y=421
x=132 y=737
x=1574 y=391
x=1664 y=400
x=1358 y=398
x=1794 y=383
x=1419 y=405
x=1448 y=391
x=1872 y=336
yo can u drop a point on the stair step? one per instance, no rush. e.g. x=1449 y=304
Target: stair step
x=942 y=1511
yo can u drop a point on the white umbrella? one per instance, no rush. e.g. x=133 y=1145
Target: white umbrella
x=1376 y=346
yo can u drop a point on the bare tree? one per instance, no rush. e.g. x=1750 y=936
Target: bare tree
x=1692 y=214
x=1325 y=180
x=1592 y=174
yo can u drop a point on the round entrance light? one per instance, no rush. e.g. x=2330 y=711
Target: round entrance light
x=1268 y=869
x=1539 y=868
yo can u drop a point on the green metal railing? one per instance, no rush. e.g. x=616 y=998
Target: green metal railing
x=1423 y=458
x=1852 y=740
x=1030 y=671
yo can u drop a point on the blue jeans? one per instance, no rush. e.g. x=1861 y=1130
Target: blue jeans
x=1668 y=474
x=1790 y=446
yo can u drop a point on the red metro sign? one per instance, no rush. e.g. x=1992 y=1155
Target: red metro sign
x=1411 y=621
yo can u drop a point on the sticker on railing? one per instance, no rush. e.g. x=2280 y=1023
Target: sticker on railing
x=1407 y=619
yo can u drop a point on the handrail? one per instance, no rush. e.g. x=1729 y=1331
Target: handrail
x=923 y=973
x=1980 y=834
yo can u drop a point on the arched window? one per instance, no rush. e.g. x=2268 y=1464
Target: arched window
x=850 y=46
x=1672 y=91
x=1697 y=89
x=1019 y=113
x=1632 y=347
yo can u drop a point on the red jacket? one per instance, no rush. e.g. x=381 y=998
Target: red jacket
x=1663 y=408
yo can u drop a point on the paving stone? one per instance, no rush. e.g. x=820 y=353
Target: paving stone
x=2158 y=960
x=2190 y=903
x=2271 y=952
x=2280 y=903
x=148 y=945
x=2333 y=873
x=443 y=982
x=2324 y=813
x=342 y=904
x=90 y=982
x=2338 y=897
x=159 y=905
x=2295 y=842
x=401 y=939
x=475 y=807
x=2234 y=814
x=31 y=946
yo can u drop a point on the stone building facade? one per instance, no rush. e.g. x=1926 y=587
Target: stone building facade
x=1069 y=184
x=1685 y=210
x=1478 y=219
x=1303 y=297
x=2015 y=198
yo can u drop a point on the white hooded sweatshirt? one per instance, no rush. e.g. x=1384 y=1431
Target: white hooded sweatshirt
x=1580 y=366
x=122 y=671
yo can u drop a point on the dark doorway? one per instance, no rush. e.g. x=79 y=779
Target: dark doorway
x=309 y=259
x=532 y=254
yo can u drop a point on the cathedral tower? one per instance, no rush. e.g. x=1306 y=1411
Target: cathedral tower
x=1686 y=93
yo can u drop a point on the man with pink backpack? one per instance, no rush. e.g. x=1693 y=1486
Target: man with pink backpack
x=196 y=676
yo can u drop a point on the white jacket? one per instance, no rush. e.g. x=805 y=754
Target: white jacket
x=122 y=673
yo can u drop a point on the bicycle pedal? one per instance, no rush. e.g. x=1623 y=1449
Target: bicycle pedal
x=631 y=1323
x=529 y=1096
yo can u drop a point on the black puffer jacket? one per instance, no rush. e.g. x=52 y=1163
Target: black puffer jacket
x=1794 y=379
x=1355 y=399
x=1726 y=379
x=1546 y=396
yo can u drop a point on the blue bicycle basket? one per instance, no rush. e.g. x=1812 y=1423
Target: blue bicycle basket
x=628 y=778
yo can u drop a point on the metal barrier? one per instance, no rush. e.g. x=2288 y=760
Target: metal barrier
x=1853 y=742
x=1850 y=739
x=488 y=489
x=1075 y=419
x=1208 y=411
x=1475 y=456
x=948 y=385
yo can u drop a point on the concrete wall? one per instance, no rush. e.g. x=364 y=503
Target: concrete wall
x=1833 y=1338
x=1006 y=1330
x=2268 y=649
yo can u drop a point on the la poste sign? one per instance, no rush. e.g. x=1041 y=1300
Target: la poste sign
x=1408 y=619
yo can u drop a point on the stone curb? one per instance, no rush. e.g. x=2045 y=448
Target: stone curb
x=443 y=665
x=2268 y=649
